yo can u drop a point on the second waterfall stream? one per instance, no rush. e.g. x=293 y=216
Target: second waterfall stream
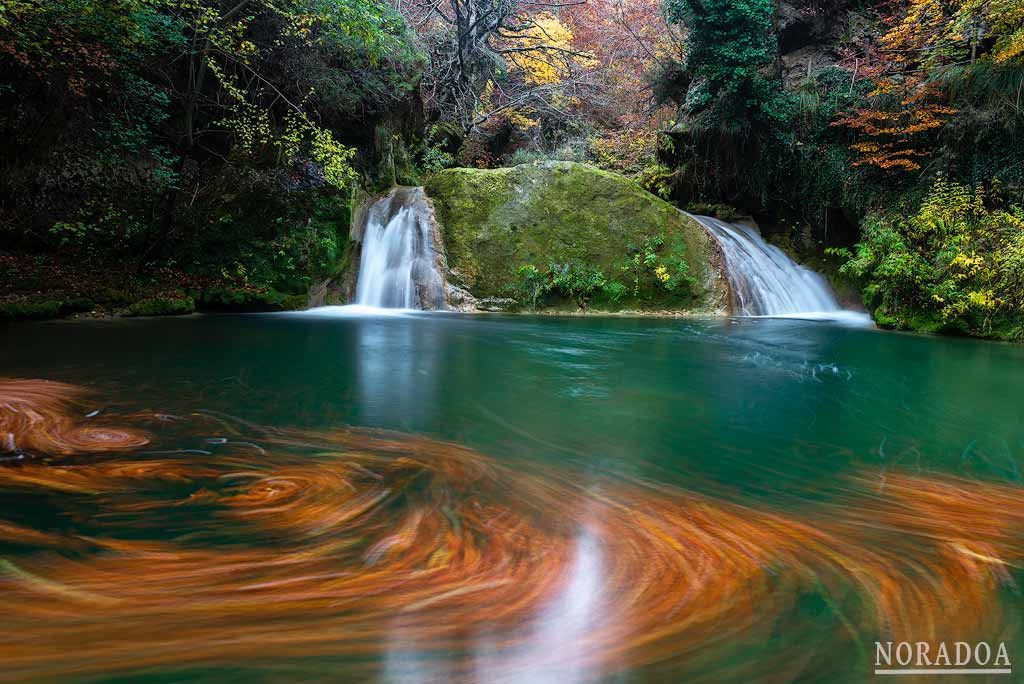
x=766 y=282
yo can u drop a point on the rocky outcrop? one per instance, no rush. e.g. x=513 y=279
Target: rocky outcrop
x=807 y=33
x=457 y=296
x=432 y=292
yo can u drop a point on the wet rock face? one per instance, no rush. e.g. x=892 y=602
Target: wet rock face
x=458 y=294
x=460 y=299
x=802 y=23
x=497 y=304
x=394 y=259
x=806 y=34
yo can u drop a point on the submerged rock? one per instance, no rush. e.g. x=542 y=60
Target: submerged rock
x=497 y=304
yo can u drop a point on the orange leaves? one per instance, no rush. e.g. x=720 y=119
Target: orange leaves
x=34 y=417
x=890 y=129
x=904 y=105
x=887 y=157
x=359 y=545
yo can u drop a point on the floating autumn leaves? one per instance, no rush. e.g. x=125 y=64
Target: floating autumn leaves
x=428 y=561
x=34 y=417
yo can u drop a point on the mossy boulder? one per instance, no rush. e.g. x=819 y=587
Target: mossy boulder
x=162 y=306
x=495 y=221
x=40 y=308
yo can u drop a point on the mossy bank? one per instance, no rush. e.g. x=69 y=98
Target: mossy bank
x=560 y=234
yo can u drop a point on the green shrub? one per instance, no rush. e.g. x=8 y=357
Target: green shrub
x=955 y=265
x=576 y=281
x=436 y=159
x=531 y=286
x=30 y=309
x=162 y=306
x=652 y=270
x=614 y=291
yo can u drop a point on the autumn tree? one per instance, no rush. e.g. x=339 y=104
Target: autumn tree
x=632 y=45
x=491 y=56
x=924 y=41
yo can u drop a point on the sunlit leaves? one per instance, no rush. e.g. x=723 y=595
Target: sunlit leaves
x=1000 y=21
x=544 y=50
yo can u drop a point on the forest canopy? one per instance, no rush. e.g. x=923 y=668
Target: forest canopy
x=229 y=140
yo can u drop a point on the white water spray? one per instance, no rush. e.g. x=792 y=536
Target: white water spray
x=766 y=282
x=399 y=265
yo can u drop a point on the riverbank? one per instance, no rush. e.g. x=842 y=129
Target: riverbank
x=41 y=286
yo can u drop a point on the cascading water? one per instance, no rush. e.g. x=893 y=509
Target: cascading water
x=766 y=282
x=399 y=264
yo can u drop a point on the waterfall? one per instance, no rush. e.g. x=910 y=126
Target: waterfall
x=765 y=281
x=399 y=264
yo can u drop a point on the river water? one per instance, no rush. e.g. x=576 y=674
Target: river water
x=439 y=497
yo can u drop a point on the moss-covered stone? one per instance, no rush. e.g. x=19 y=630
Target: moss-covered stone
x=495 y=221
x=1003 y=328
x=162 y=306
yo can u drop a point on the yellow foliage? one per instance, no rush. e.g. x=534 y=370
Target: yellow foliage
x=544 y=51
x=934 y=30
x=982 y=299
x=950 y=207
x=520 y=119
x=1002 y=20
x=254 y=135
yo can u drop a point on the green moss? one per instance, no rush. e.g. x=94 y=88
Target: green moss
x=237 y=300
x=999 y=328
x=495 y=221
x=30 y=309
x=723 y=212
x=162 y=306
x=884 y=319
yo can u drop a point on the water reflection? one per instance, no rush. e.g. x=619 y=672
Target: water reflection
x=396 y=366
x=556 y=650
